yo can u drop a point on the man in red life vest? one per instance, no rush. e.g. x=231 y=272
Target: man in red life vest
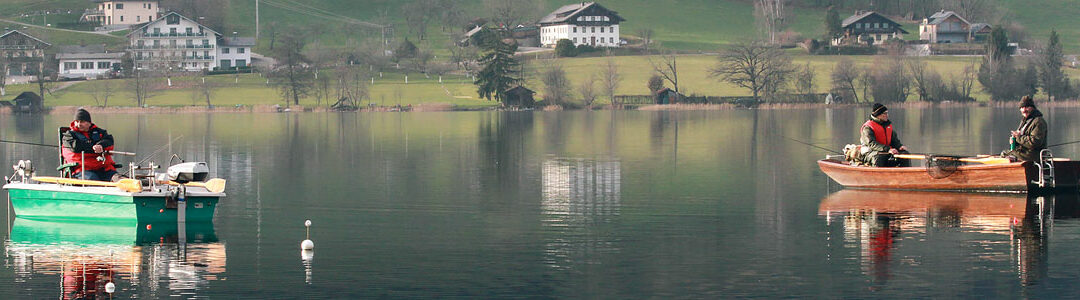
x=84 y=144
x=878 y=136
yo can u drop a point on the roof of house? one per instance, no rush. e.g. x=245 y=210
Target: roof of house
x=98 y=55
x=568 y=12
x=976 y=27
x=518 y=89
x=163 y=18
x=941 y=16
x=72 y=49
x=26 y=35
x=865 y=14
x=238 y=41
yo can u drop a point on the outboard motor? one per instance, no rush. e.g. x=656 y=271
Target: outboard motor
x=188 y=172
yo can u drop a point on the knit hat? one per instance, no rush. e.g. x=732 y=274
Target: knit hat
x=878 y=109
x=1026 y=101
x=82 y=115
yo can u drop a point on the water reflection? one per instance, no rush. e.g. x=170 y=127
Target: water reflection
x=142 y=260
x=579 y=196
x=991 y=228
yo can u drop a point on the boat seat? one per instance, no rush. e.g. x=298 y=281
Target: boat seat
x=66 y=169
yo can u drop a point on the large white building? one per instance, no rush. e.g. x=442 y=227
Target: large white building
x=177 y=43
x=585 y=23
x=123 y=12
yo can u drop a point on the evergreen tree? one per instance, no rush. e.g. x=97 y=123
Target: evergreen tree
x=1054 y=81
x=497 y=74
x=833 y=25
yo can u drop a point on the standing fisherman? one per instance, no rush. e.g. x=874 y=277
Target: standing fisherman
x=879 y=137
x=1030 y=138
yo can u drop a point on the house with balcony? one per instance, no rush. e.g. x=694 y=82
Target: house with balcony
x=949 y=27
x=585 y=23
x=22 y=54
x=91 y=61
x=868 y=27
x=121 y=13
x=174 y=42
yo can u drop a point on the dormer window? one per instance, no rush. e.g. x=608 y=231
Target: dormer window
x=172 y=19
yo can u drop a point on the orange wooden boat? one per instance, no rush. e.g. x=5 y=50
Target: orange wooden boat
x=1007 y=177
x=922 y=202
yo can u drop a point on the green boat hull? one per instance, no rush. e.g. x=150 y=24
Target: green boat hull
x=92 y=204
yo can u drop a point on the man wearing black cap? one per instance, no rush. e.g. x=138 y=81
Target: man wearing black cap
x=84 y=144
x=878 y=136
x=1030 y=138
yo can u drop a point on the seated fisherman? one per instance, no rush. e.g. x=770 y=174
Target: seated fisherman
x=882 y=141
x=1030 y=137
x=88 y=145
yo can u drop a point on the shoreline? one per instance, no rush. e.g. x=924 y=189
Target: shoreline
x=436 y=107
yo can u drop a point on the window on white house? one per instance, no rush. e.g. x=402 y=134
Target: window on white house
x=71 y=65
x=225 y=50
x=593 y=29
x=120 y=6
x=86 y=65
x=138 y=18
x=240 y=50
x=611 y=40
x=601 y=29
x=103 y=65
x=575 y=29
x=121 y=17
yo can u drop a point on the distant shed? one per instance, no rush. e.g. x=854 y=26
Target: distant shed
x=519 y=96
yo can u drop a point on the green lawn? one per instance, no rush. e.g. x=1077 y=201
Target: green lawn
x=391 y=89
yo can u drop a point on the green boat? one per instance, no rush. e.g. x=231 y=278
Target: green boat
x=50 y=201
x=68 y=199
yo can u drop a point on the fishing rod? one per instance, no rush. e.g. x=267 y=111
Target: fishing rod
x=1063 y=144
x=50 y=146
x=812 y=145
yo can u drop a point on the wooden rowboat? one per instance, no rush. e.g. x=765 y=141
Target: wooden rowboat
x=1007 y=177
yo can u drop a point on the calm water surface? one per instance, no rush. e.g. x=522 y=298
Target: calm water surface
x=605 y=204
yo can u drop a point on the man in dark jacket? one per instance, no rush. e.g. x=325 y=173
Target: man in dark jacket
x=1030 y=138
x=880 y=140
x=88 y=146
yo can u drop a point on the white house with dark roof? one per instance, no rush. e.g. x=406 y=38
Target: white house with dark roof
x=91 y=61
x=23 y=54
x=868 y=27
x=179 y=43
x=585 y=23
x=949 y=27
x=235 y=52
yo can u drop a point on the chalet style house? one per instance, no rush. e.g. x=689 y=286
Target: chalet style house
x=585 y=23
x=948 y=27
x=868 y=27
x=122 y=12
x=174 y=42
x=22 y=54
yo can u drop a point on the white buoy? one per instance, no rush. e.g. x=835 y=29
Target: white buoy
x=307 y=244
x=110 y=287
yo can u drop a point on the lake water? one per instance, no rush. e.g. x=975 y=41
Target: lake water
x=606 y=204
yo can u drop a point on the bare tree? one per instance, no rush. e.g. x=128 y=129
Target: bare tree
x=353 y=83
x=844 y=75
x=610 y=78
x=509 y=13
x=3 y=74
x=417 y=15
x=889 y=81
x=101 y=90
x=143 y=82
x=667 y=66
x=646 y=35
x=292 y=75
x=201 y=89
x=556 y=85
x=804 y=81
x=755 y=65
x=770 y=15
x=968 y=79
x=920 y=77
x=587 y=89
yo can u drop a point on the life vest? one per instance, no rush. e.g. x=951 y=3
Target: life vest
x=883 y=135
x=91 y=162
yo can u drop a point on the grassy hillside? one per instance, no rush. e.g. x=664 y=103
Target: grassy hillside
x=1040 y=17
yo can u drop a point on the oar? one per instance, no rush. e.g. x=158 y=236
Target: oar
x=214 y=185
x=127 y=184
x=982 y=160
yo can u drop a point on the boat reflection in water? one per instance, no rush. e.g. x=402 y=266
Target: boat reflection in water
x=140 y=260
x=990 y=229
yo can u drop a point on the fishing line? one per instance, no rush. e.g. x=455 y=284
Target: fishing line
x=812 y=145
